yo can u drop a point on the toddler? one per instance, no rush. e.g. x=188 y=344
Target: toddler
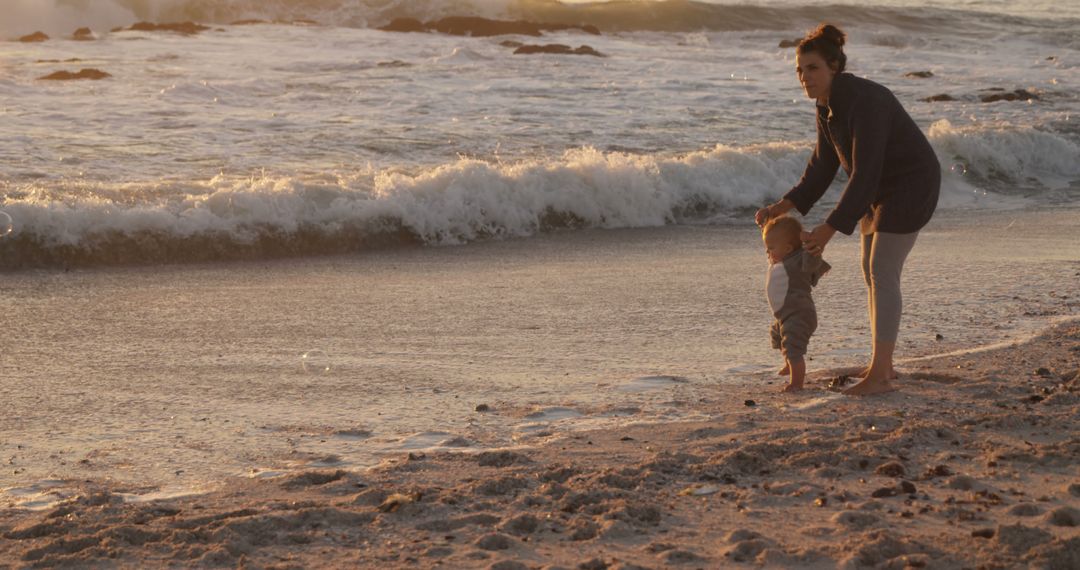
x=792 y=273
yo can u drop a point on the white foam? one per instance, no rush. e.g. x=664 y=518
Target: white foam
x=450 y=204
x=650 y=383
x=1006 y=152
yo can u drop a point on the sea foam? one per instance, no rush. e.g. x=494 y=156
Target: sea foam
x=455 y=203
x=470 y=199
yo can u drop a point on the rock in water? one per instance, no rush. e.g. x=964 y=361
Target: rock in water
x=558 y=49
x=83 y=35
x=939 y=97
x=404 y=25
x=93 y=74
x=1018 y=95
x=185 y=28
x=480 y=27
x=34 y=37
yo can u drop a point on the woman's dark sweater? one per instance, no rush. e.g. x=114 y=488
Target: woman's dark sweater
x=894 y=175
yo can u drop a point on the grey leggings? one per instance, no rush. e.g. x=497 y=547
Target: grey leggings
x=883 y=256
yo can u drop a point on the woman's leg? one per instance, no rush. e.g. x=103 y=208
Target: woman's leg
x=867 y=248
x=886 y=262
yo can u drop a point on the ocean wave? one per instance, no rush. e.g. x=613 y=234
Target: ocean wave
x=1006 y=157
x=455 y=203
x=465 y=201
x=63 y=16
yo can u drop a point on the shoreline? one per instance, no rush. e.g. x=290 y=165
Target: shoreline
x=971 y=463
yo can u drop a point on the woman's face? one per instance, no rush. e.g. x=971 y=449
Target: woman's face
x=815 y=75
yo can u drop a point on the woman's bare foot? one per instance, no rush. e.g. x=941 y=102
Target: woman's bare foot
x=792 y=388
x=785 y=371
x=870 y=386
x=862 y=373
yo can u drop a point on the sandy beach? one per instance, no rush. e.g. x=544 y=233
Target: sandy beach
x=971 y=464
x=286 y=285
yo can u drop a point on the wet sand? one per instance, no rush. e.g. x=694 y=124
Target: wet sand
x=175 y=378
x=971 y=464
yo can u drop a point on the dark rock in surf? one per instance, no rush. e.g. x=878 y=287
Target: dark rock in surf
x=789 y=43
x=919 y=74
x=34 y=37
x=93 y=74
x=251 y=22
x=1018 y=95
x=185 y=28
x=480 y=27
x=939 y=97
x=404 y=25
x=559 y=49
x=511 y=44
x=83 y=35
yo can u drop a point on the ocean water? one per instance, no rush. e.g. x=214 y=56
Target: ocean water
x=444 y=224
x=255 y=141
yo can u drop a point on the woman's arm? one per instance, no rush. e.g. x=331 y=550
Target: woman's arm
x=818 y=175
x=871 y=120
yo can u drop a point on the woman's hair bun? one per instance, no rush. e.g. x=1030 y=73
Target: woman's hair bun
x=831 y=33
x=829 y=41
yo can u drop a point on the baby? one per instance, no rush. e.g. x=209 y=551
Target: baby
x=792 y=272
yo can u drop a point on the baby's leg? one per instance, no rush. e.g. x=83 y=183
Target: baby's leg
x=777 y=339
x=798 y=374
x=796 y=333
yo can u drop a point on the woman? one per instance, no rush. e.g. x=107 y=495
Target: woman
x=892 y=189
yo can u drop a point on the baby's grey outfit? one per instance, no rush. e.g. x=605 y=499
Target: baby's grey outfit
x=788 y=285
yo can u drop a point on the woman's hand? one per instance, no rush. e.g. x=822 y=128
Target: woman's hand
x=771 y=211
x=762 y=216
x=814 y=241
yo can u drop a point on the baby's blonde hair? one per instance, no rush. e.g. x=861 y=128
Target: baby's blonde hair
x=789 y=229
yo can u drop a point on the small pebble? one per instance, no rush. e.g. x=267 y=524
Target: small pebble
x=483 y=408
x=983 y=533
x=749 y=403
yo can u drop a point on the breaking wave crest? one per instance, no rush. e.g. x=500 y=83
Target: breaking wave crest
x=465 y=201
x=469 y=200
